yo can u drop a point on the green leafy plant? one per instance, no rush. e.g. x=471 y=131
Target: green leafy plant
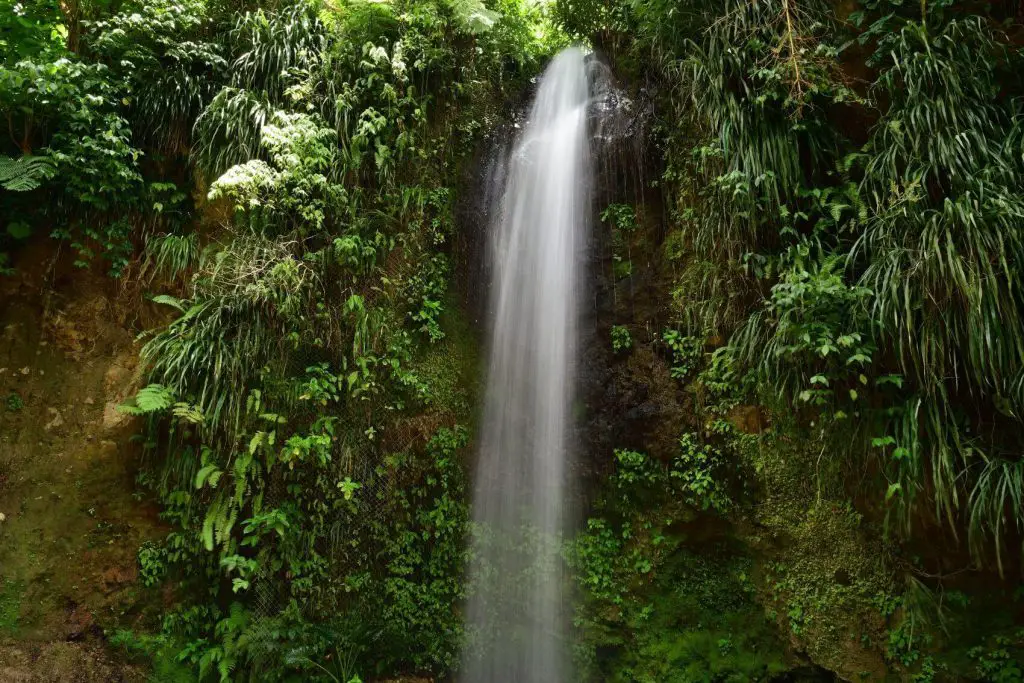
x=997 y=664
x=14 y=402
x=300 y=434
x=687 y=353
x=152 y=564
x=649 y=607
x=621 y=339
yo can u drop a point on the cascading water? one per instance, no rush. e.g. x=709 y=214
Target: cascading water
x=516 y=612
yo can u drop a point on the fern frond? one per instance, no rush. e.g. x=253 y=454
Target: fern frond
x=150 y=399
x=25 y=173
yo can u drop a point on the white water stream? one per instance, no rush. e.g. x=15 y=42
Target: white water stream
x=517 y=611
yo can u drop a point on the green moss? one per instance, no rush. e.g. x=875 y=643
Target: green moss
x=691 y=617
x=11 y=594
x=825 y=574
x=975 y=638
x=706 y=655
x=450 y=367
x=657 y=604
x=14 y=402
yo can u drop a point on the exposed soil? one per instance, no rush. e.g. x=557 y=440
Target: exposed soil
x=70 y=526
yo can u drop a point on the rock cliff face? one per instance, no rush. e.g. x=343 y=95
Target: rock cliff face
x=70 y=528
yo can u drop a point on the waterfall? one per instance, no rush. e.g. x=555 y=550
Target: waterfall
x=516 y=613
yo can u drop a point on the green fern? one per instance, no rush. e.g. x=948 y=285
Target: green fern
x=24 y=173
x=208 y=475
x=151 y=399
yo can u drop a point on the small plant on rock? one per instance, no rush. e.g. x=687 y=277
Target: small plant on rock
x=621 y=340
x=14 y=402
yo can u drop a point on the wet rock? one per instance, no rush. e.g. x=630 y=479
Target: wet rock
x=644 y=411
x=63 y=661
x=118 y=385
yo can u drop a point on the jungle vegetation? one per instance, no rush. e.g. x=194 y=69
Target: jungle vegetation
x=839 y=247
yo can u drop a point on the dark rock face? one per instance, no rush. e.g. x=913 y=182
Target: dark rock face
x=629 y=400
